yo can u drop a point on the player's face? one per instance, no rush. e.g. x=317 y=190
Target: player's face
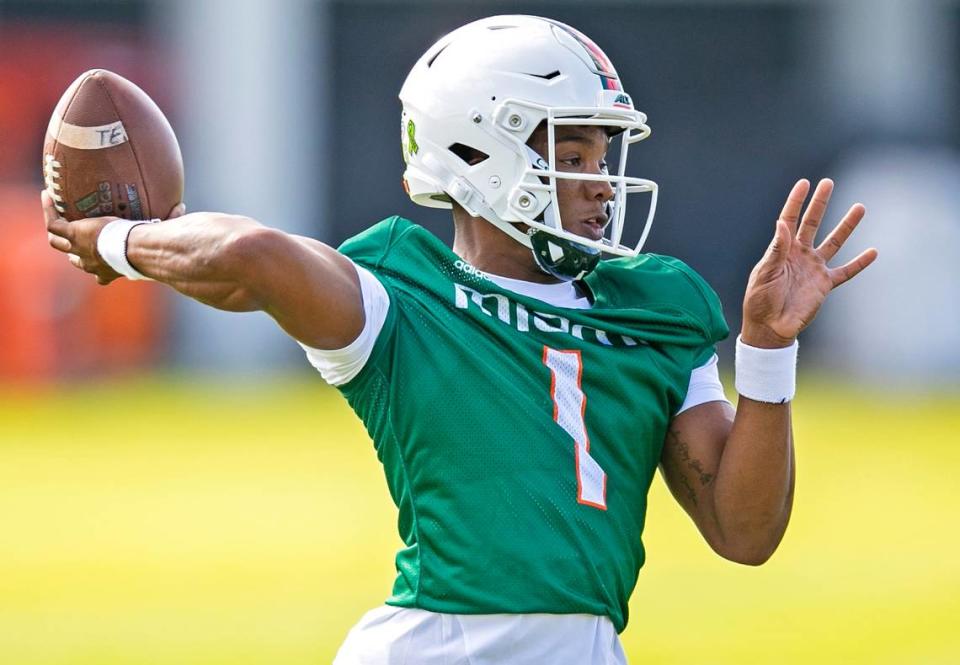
x=579 y=149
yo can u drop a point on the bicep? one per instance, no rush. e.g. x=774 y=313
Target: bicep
x=310 y=289
x=340 y=366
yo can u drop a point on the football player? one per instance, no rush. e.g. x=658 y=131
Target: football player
x=521 y=392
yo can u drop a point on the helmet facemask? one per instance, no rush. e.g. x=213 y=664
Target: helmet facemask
x=535 y=202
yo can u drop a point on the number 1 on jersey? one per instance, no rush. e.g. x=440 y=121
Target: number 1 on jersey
x=569 y=405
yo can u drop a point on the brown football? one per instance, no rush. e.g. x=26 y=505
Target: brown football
x=109 y=150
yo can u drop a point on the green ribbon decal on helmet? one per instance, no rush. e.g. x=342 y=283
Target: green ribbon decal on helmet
x=412 y=146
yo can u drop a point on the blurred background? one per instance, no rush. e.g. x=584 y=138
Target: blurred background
x=176 y=486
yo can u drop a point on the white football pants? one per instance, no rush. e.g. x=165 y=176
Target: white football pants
x=402 y=636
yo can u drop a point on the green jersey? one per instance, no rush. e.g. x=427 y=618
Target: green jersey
x=519 y=440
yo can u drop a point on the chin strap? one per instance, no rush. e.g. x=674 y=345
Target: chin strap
x=562 y=258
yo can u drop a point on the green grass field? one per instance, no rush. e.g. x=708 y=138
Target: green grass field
x=156 y=522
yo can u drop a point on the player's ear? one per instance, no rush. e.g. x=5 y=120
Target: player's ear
x=178 y=210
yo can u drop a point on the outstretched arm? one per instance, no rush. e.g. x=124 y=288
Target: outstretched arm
x=733 y=472
x=232 y=263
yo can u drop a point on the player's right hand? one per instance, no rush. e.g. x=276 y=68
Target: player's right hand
x=78 y=239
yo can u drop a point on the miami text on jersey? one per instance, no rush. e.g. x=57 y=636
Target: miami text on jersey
x=517 y=315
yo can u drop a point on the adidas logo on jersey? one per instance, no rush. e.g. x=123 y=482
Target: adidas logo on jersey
x=460 y=264
x=519 y=317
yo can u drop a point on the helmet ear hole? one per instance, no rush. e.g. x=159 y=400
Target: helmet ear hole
x=471 y=156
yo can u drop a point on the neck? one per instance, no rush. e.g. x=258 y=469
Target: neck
x=486 y=247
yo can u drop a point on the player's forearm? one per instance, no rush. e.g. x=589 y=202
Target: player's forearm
x=753 y=491
x=202 y=255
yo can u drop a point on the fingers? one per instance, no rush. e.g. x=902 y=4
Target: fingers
x=850 y=270
x=178 y=210
x=791 y=209
x=49 y=211
x=777 y=252
x=833 y=242
x=814 y=212
x=780 y=246
x=58 y=243
x=56 y=225
x=92 y=266
x=58 y=229
x=74 y=240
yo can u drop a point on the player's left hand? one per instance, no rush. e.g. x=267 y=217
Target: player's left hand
x=791 y=281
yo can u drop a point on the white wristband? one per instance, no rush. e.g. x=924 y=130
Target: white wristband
x=112 y=246
x=766 y=375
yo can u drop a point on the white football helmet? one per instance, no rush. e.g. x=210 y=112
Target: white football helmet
x=485 y=88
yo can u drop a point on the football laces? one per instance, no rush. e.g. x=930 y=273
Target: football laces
x=50 y=176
